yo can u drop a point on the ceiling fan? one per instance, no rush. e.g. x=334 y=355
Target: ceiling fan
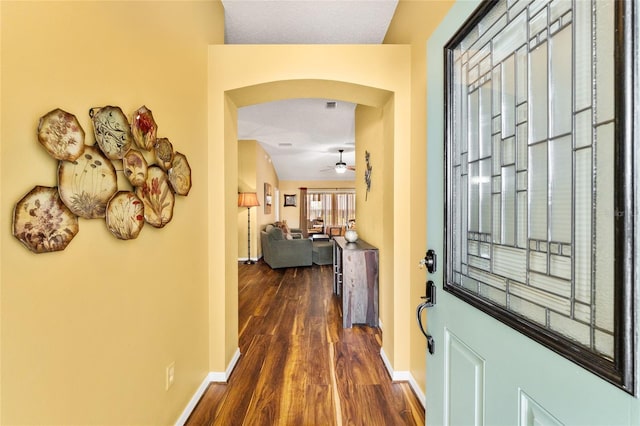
x=341 y=166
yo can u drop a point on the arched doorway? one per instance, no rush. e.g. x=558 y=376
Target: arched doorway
x=376 y=77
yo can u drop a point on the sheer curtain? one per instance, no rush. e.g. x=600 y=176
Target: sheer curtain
x=334 y=208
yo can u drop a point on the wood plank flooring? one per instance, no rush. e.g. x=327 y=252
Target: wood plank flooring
x=298 y=365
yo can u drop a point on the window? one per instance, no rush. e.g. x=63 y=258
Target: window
x=333 y=207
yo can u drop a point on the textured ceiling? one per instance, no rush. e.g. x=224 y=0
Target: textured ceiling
x=302 y=136
x=307 y=21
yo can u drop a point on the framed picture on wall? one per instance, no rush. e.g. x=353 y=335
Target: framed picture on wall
x=268 y=196
x=289 y=200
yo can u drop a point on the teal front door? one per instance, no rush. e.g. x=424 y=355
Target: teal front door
x=526 y=204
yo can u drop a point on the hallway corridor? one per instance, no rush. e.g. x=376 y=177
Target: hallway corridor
x=298 y=365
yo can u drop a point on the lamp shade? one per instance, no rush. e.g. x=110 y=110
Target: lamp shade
x=248 y=199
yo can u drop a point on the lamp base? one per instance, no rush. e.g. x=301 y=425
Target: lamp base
x=249 y=262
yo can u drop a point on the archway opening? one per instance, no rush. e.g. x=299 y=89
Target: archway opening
x=374 y=134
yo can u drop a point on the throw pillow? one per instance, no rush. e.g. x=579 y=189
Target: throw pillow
x=285 y=229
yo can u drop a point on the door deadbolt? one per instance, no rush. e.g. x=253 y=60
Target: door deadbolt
x=430 y=261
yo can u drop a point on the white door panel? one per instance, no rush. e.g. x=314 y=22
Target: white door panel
x=533 y=414
x=464 y=372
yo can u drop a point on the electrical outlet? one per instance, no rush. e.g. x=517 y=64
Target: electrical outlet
x=171 y=375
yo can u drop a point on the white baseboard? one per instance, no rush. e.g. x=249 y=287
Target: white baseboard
x=211 y=377
x=193 y=402
x=244 y=259
x=403 y=376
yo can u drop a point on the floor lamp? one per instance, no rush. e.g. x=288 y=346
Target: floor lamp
x=248 y=200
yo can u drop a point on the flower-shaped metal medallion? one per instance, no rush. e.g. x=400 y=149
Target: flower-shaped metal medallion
x=157 y=197
x=42 y=222
x=164 y=153
x=135 y=167
x=144 y=128
x=112 y=130
x=61 y=135
x=125 y=215
x=87 y=184
x=180 y=174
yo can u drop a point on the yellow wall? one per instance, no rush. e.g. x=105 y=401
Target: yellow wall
x=292 y=214
x=370 y=137
x=412 y=24
x=254 y=170
x=265 y=173
x=247 y=166
x=97 y=324
x=247 y=183
x=88 y=332
x=371 y=227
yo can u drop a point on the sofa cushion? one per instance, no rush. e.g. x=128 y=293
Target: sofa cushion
x=322 y=252
x=268 y=228
x=276 y=234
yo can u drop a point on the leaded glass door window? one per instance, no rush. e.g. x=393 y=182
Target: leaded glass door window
x=539 y=165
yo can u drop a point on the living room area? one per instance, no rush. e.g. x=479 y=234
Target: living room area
x=305 y=189
x=288 y=210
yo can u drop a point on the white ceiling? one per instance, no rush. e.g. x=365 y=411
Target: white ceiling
x=314 y=132
x=302 y=136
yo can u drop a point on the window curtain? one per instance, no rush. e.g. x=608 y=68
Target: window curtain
x=304 y=208
x=333 y=208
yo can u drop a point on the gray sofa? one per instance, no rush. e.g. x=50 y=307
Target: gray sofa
x=280 y=252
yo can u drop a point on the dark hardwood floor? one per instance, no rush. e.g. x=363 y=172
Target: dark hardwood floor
x=298 y=365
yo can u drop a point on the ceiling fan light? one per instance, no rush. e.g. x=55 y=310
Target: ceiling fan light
x=341 y=167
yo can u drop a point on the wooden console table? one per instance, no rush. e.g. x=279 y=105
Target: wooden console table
x=355 y=281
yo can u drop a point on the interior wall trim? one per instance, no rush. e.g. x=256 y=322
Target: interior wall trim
x=211 y=377
x=403 y=376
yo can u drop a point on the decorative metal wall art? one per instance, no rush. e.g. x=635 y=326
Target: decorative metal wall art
x=125 y=215
x=144 y=128
x=46 y=219
x=42 y=222
x=180 y=174
x=112 y=131
x=367 y=173
x=61 y=135
x=163 y=151
x=157 y=196
x=135 y=167
x=87 y=184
